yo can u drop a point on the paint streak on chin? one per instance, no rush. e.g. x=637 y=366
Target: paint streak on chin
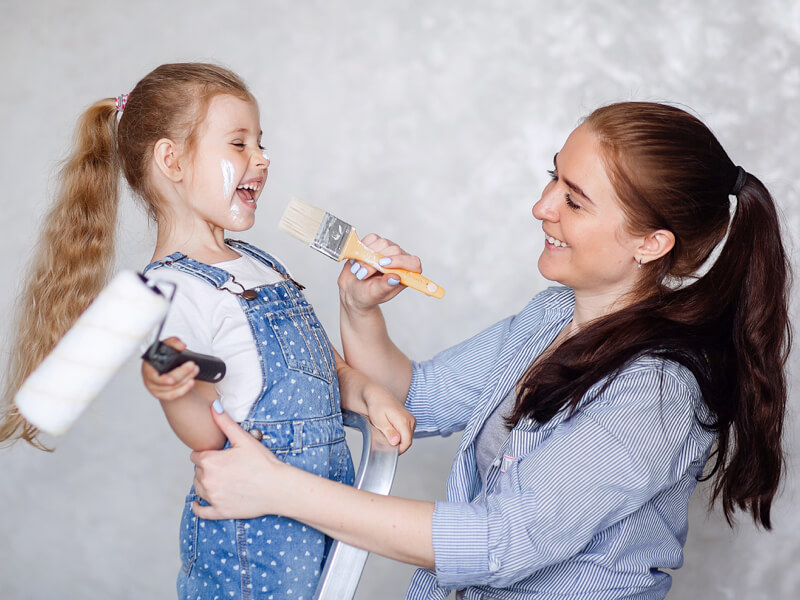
x=236 y=213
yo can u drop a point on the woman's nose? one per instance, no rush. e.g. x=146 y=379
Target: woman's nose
x=545 y=209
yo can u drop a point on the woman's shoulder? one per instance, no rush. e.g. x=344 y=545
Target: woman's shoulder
x=654 y=381
x=551 y=303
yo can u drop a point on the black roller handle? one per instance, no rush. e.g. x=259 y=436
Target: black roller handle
x=165 y=358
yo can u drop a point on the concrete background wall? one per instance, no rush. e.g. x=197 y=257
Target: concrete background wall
x=430 y=122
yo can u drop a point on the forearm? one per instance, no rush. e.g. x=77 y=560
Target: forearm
x=189 y=418
x=398 y=528
x=368 y=347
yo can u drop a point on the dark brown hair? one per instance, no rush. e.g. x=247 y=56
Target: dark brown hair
x=76 y=249
x=729 y=326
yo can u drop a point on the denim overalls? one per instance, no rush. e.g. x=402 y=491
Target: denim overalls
x=298 y=417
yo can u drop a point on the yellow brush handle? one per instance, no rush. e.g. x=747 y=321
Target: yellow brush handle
x=353 y=248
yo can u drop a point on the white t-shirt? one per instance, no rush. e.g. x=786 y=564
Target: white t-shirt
x=210 y=321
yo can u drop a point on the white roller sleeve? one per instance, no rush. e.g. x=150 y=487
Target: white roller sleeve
x=111 y=329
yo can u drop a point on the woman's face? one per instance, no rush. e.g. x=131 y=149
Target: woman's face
x=587 y=246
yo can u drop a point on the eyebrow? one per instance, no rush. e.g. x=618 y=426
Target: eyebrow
x=574 y=187
x=245 y=130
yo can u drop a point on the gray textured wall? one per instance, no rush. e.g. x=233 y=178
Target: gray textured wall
x=431 y=122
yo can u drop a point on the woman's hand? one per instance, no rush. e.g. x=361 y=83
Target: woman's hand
x=247 y=481
x=362 y=288
x=241 y=482
x=174 y=384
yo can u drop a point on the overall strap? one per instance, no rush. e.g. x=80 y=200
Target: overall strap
x=180 y=262
x=259 y=255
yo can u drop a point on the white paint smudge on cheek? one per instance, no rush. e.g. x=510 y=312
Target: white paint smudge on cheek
x=227 y=177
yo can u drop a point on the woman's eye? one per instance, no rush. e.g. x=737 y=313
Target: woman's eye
x=570 y=203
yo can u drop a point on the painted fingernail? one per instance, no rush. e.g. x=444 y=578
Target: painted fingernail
x=351 y=261
x=385 y=261
x=354 y=269
x=393 y=281
x=218 y=407
x=362 y=272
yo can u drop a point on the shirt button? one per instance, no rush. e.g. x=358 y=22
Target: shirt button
x=256 y=433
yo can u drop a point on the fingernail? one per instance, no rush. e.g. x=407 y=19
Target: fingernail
x=362 y=272
x=385 y=261
x=218 y=407
x=351 y=261
x=393 y=281
x=354 y=269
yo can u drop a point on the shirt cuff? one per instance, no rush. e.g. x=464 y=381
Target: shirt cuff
x=460 y=544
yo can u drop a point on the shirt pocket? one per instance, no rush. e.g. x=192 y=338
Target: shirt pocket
x=302 y=340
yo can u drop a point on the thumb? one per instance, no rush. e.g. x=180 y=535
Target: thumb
x=235 y=434
x=389 y=431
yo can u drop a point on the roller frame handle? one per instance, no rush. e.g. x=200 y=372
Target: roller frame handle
x=164 y=358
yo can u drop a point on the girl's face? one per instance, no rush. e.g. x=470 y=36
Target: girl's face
x=587 y=246
x=228 y=168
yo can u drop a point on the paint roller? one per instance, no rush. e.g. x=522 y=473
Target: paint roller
x=115 y=325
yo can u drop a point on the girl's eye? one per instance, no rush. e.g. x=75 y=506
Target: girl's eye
x=552 y=174
x=570 y=203
x=238 y=144
x=261 y=147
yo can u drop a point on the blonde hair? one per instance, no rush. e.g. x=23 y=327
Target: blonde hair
x=75 y=253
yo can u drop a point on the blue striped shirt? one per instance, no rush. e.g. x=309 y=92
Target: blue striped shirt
x=592 y=507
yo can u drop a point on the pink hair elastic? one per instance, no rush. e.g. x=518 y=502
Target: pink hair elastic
x=122 y=100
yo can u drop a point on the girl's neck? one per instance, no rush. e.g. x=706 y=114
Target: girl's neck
x=204 y=243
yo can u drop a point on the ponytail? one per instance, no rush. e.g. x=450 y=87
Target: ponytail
x=72 y=261
x=752 y=278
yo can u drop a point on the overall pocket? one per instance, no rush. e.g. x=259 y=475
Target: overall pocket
x=302 y=340
x=188 y=535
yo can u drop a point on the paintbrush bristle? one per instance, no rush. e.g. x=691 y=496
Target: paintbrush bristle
x=301 y=220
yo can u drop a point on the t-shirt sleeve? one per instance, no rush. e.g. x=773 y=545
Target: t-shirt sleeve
x=186 y=318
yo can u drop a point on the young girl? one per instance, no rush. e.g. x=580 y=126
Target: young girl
x=188 y=141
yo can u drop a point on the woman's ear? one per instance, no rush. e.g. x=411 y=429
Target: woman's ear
x=166 y=155
x=655 y=245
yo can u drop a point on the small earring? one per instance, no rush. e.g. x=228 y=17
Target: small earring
x=639 y=264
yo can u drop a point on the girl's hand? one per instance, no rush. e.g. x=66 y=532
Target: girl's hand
x=362 y=288
x=241 y=482
x=174 y=384
x=389 y=415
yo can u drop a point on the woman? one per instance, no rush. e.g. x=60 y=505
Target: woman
x=590 y=415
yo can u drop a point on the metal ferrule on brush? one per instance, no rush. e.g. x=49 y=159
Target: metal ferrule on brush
x=331 y=236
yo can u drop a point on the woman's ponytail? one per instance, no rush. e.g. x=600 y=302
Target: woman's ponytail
x=72 y=260
x=753 y=269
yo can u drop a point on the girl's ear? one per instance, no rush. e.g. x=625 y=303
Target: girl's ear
x=166 y=155
x=655 y=245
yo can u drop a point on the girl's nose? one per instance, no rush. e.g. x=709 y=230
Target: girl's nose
x=261 y=158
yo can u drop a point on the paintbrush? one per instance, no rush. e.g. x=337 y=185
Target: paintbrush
x=338 y=240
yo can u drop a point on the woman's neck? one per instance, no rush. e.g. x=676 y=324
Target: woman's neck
x=594 y=305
